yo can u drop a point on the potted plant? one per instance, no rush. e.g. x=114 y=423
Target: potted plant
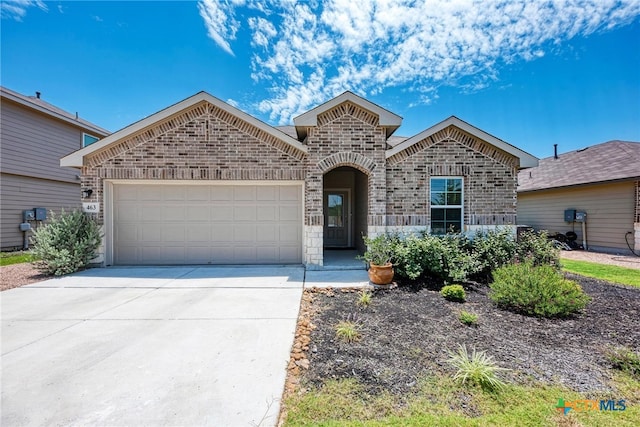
x=379 y=254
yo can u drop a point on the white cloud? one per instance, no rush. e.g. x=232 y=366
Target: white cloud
x=17 y=9
x=310 y=51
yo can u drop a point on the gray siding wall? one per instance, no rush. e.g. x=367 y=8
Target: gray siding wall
x=20 y=192
x=32 y=144
x=609 y=207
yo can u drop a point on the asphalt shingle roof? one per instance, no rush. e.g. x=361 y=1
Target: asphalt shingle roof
x=609 y=161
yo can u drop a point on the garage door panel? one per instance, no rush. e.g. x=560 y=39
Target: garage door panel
x=222 y=234
x=244 y=193
x=173 y=213
x=267 y=193
x=207 y=224
x=290 y=193
x=222 y=213
x=198 y=193
x=244 y=233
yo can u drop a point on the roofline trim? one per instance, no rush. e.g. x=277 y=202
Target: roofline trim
x=76 y=158
x=526 y=160
x=24 y=101
x=582 y=184
x=310 y=118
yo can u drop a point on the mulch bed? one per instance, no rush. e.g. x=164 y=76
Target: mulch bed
x=406 y=334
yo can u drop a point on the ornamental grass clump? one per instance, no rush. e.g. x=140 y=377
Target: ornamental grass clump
x=536 y=291
x=476 y=368
x=348 y=331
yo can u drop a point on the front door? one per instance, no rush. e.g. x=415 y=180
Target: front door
x=337 y=219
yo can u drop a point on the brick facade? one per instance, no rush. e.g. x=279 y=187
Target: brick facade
x=490 y=180
x=206 y=143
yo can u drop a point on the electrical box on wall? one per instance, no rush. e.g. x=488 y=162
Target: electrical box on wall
x=41 y=214
x=25 y=226
x=581 y=216
x=29 y=215
x=569 y=215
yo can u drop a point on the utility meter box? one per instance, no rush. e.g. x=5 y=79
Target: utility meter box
x=25 y=226
x=581 y=216
x=29 y=215
x=41 y=214
x=570 y=215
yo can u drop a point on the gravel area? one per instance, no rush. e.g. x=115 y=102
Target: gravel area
x=628 y=261
x=407 y=333
x=16 y=275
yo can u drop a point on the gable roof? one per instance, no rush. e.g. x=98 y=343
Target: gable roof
x=387 y=119
x=526 y=160
x=76 y=158
x=609 y=161
x=42 y=106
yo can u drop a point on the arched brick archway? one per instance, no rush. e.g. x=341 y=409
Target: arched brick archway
x=354 y=160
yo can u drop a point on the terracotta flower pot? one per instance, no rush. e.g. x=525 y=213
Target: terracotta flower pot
x=381 y=274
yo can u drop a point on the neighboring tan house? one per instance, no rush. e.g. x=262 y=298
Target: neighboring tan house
x=33 y=136
x=202 y=182
x=601 y=180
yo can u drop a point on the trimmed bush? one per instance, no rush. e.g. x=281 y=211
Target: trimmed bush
x=536 y=290
x=66 y=243
x=453 y=293
x=494 y=249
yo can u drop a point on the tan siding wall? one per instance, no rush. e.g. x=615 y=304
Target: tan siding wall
x=609 y=207
x=32 y=144
x=20 y=193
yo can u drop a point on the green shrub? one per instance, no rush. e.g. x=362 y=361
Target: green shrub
x=494 y=249
x=66 y=243
x=380 y=249
x=476 y=369
x=624 y=359
x=467 y=318
x=537 y=249
x=453 y=293
x=536 y=290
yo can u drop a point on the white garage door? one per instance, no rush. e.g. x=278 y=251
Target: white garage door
x=207 y=224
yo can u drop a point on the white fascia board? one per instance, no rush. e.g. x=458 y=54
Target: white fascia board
x=526 y=159
x=79 y=124
x=310 y=118
x=75 y=159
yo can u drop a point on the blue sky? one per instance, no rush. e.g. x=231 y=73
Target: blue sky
x=533 y=73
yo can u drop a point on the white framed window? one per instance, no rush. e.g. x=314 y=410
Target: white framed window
x=446 y=201
x=88 y=139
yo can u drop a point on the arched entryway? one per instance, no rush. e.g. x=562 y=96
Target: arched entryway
x=345 y=208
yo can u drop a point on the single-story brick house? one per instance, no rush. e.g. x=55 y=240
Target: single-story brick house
x=202 y=182
x=602 y=180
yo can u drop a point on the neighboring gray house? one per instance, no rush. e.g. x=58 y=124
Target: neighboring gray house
x=33 y=136
x=602 y=180
x=202 y=182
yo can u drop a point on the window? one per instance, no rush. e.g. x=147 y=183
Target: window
x=88 y=139
x=446 y=205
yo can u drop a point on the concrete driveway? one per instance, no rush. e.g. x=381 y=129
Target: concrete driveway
x=188 y=346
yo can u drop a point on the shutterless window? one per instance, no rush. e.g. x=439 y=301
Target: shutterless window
x=446 y=205
x=88 y=139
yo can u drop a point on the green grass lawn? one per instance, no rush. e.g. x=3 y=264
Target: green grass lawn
x=438 y=401
x=610 y=273
x=8 y=258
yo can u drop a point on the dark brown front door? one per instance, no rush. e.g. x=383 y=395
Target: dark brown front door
x=336 y=218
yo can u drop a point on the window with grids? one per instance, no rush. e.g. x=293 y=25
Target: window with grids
x=446 y=205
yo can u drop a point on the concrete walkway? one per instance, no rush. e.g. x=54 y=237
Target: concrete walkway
x=188 y=346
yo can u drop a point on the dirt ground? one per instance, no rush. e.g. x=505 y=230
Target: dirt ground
x=407 y=333
x=16 y=275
